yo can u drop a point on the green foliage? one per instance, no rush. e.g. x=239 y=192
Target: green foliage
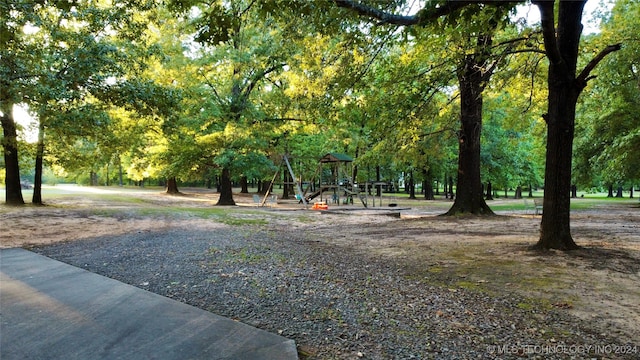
x=609 y=133
x=511 y=154
x=71 y=62
x=237 y=84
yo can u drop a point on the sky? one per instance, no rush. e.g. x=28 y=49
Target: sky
x=589 y=18
x=22 y=117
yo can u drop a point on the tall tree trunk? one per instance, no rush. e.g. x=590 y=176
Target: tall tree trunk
x=172 y=186
x=412 y=186
x=93 y=178
x=37 y=181
x=13 y=192
x=445 y=185
x=264 y=186
x=244 y=185
x=518 y=194
x=378 y=188
x=354 y=172
x=564 y=85
x=108 y=183
x=562 y=50
x=286 y=190
x=489 y=195
x=120 y=183
x=619 y=191
x=451 y=187
x=610 y=191
x=226 y=190
x=428 y=185
x=469 y=197
x=555 y=232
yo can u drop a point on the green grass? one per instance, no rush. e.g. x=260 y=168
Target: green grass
x=149 y=205
x=232 y=217
x=581 y=203
x=238 y=222
x=141 y=202
x=470 y=268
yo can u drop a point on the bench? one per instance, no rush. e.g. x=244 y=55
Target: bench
x=537 y=203
x=272 y=200
x=257 y=200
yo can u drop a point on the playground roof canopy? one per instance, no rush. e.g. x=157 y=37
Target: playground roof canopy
x=336 y=157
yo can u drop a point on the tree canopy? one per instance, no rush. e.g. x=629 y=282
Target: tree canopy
x=217 y=92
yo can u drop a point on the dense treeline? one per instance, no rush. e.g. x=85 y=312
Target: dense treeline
x=216 y=93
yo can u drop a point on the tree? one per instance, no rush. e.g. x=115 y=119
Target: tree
x=401 y=90
x=57 y=55
x=474 y=67
x=511 y=153
x=561 y=42
x=473 y=74
x=565 y=84
x=16 y=55
x=238 y=52
x=10 y=147
x=610 y=132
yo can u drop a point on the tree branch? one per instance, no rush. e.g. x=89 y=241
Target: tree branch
x=437 y=132
x=423 y=16
x=584 y=74
x=384 y=17
x=547 y=18
x=515 y=40
x=213 y=88
x=284 y=119
x=520 y=51
x=533 y=80
x=261 y=75
x=246 y=9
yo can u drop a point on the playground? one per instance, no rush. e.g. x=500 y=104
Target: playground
x=355 y=281
x=332 y=183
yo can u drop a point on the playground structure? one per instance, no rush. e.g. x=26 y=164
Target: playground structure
x=335 y=180
x=331 y=184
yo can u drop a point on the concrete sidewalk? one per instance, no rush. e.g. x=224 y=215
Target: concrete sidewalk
x=51 y=310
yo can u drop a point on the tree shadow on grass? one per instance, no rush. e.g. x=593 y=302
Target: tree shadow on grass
x=598 y=258
x=618 y=260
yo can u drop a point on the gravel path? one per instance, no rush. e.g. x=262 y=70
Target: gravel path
x=336 y=302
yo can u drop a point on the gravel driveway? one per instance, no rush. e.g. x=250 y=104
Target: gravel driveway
x=336 y=302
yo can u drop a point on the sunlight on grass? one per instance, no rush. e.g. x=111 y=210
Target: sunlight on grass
x=586 y=203
x=148 y=202
x=232 y=217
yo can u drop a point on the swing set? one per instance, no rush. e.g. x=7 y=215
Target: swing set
x=334 y=183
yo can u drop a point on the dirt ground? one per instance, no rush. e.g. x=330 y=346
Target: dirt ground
x=599 y=283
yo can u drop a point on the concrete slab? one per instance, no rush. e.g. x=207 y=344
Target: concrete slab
x=51 y=310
